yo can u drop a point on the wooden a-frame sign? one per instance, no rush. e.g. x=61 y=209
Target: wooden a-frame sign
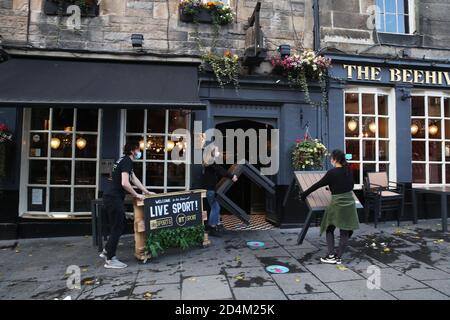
x=225 y=184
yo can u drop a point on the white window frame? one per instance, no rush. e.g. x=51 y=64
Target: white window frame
x=390 y=93
x=187 y=138
x=411 y=18
x=427 y=94
x=25 y=162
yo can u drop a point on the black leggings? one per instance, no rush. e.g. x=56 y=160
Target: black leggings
x=343 y=241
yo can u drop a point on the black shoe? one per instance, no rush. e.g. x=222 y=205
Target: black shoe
x=330 y=259
x=213 y=232
x=221 y=228
x=338 y=260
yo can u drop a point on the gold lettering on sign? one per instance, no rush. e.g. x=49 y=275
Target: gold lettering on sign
x=407 y=76
x=418 y=76
x=396 y=75
x=430 y=77
x=447 y=78
x=349 y=70
x=362 y=73
x=355 y=72
x=376 y=74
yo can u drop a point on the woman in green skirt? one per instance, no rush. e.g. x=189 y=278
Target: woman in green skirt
x=341 y=213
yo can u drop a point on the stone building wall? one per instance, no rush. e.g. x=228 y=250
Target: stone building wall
x=283 y=21
x=345 y=25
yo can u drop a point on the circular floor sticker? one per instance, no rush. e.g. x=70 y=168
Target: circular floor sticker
x=255 y=244
x=277 y=269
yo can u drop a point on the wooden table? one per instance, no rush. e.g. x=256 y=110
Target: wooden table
x=317 y=201
x=443 y=192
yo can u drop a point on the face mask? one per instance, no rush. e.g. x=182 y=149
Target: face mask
x=137 y=155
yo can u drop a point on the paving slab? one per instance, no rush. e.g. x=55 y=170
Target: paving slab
x=299 y=283
x=358 y=290
x=206 y=288
x=331 y=273
x=258 y=293
x=420 y=294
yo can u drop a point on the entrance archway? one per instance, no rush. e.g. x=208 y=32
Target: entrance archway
x=244 y=193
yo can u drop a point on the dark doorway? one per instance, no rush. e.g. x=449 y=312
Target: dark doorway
x=244 y=193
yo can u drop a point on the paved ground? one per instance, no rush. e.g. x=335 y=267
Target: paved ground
x=414 y=263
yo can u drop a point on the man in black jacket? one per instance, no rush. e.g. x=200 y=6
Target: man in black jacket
x=212 y=172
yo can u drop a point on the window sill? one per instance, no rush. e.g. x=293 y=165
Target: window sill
x=408 y=40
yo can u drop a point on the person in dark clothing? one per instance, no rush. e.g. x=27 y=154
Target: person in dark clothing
x=212 y=172
x=341 y=213
x=122 y=178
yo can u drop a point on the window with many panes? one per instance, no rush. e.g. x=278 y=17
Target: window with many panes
x=395 y=16
x=430 y=134
x=368 y=133
x=59 y=161
x=154 y=129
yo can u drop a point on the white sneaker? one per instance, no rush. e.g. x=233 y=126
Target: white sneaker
x=103 y=255
x=114 y=263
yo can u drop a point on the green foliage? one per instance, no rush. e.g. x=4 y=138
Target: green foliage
x=183 y=238
x=226 y=68
x=308 y=154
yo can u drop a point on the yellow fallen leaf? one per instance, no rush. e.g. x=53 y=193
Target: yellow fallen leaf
x=237 y=258
x=341 y=267
x=30 y=255
x=192 y=279
x=148 y=295
x=84 y=270
x=239 y=278
x=297 y=280
x=17 y=251
x=89 y=282
x=439 y=241
x=387 y=250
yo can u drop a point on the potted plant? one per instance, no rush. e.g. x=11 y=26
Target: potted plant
x=226 y=67
x=308 y=154
x=212 y=12
x=88 y=8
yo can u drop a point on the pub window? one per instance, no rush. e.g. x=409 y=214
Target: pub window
x=430 y=138
x=395 y=16
x=367 y=134
x=59 y=161
x=154 y=129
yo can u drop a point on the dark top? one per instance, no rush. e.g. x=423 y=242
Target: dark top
x=114 y=188
x=340 y=180
x=212 y=174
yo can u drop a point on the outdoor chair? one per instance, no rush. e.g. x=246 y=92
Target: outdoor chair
x=381 y=195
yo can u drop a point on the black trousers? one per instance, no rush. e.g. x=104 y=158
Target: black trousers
x=115 y=209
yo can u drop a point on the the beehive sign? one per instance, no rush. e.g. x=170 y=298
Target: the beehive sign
x=173 y=210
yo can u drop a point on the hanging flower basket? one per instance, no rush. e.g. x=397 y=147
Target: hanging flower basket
x=308 y=154
x=212 y=12
x=300 y=69
x=225 y=67
x=88 y=8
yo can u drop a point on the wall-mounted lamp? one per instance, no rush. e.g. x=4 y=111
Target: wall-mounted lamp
x=406 y=95
x=284 y=50
x=352 y=125
x=137 y=40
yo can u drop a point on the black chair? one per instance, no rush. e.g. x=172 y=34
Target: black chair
x=381 y=195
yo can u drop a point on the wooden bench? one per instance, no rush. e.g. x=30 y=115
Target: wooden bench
x=317 y=201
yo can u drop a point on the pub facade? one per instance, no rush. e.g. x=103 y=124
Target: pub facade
x=71 y=99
